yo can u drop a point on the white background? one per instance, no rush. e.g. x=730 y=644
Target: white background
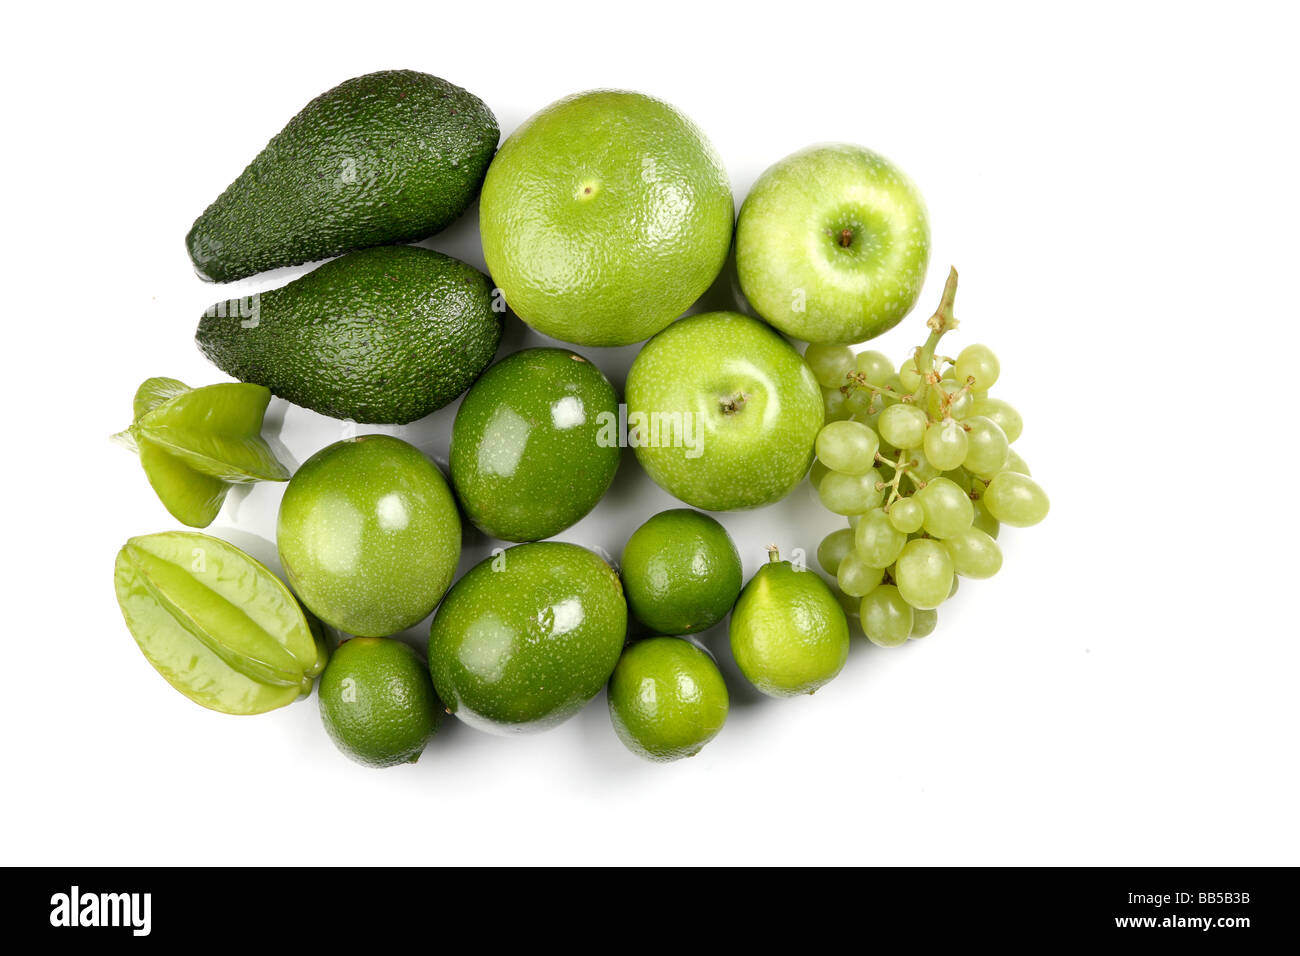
x=1118 y=190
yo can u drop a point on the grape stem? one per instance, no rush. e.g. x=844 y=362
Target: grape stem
x=948 y=399
x=901 y=467
x=942 y=321
x=859 y=380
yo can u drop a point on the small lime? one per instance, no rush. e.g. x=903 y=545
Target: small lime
x=789 y=633
x=667 y=699
x=377 y=702
x=681 y=572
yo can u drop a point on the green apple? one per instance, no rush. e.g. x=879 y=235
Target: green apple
x=832 y=244
x=723 y=412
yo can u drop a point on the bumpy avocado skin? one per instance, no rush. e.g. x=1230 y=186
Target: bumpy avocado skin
x=381 y=336
x=388 y=157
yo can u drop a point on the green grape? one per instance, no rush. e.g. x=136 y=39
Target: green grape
x=875 y=367
x=886 y=617
x=959 y=406
x=948 y=509
x=833 y=549
x=853 y=521
x=834 y=405
x=849 y=447
x=817 y=473
x=1015 y=499
x=870 y=416
x=1015 y=463
x=983 y=520
x=876 y=541
x=830 y=364
x=856 y=577
x=1007 y=418
x=906 y=515
x=986 y=446
x=962 y=478
x=955 y=582
x=923 y=622
x=974 y=554
x=924 y=573
x=903 y=425
x=921 y=469
x=860 y=400
x=945 y=444
x=850 y=494
x=978 y=362
x=852 y=605
x=908 y=377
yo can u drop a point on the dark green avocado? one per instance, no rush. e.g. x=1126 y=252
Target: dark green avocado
x=383 y=158
x=384 y=335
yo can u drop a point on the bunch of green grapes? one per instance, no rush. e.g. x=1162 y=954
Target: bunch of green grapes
x=920 y=462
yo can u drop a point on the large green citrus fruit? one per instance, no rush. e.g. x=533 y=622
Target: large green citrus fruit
x=527 y=637
x=604 y=217
x=369 y=535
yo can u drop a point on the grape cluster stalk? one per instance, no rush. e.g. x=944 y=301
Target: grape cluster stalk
x=919 y=459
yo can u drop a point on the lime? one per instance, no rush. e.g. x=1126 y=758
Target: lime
x=604 y=217
x=681 y=572
x=666 y=699
x=377 y=702
x=789 y=634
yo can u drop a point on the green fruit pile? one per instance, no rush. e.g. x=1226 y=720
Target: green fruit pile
x=603 y=218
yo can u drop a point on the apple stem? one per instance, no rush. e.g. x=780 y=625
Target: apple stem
x=735 y=403
x=773 y=554
x=846 y=237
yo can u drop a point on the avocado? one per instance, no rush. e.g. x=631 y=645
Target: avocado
x=383 y=158
x=384 y=335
